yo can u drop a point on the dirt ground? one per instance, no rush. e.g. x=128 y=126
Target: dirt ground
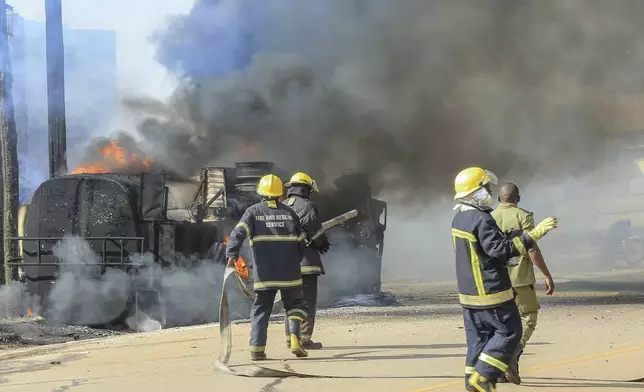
x=589 y=337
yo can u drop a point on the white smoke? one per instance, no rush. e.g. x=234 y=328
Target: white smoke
x=15 y=301
x=82 y=294
x=188 y=292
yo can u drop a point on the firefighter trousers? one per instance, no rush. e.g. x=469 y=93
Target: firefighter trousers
x=493 y=336
x=310 y=291
x=260 y=313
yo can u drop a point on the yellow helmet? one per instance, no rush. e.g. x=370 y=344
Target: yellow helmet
x=270 y=186
x=303 y=178
x=472 y=179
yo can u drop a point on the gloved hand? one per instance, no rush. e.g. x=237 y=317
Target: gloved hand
x=324 y=247
x=543 y=228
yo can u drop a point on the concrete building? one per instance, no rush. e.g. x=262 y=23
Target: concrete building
x=90 y=92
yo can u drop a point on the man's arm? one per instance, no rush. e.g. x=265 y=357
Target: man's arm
x=311 y=224
x=301 y=235
x=497 y=245
x=242 y=230
x=537 y=257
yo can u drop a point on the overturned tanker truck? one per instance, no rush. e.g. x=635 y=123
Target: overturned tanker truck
x=179 y=224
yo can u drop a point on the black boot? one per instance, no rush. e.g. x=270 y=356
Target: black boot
x=257 y=353
x=512 y=375
x=294 y=333
x=308 y=344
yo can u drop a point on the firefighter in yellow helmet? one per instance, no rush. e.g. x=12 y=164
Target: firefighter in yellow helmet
x=482 y=251
x=299 y=190
x=275 y=235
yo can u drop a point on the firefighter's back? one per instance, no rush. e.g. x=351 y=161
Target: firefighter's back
x=275 y=241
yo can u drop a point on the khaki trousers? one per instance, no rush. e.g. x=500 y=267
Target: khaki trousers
x=528 y=304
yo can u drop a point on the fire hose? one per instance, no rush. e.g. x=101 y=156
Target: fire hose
x=225 y=330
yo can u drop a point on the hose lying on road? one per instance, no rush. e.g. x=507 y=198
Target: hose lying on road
x=221 y=364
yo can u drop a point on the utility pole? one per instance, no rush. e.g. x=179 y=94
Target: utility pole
x=56 y=88
x=9 y=149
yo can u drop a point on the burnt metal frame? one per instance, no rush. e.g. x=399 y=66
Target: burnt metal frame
x=40 y=240
x=104 y=263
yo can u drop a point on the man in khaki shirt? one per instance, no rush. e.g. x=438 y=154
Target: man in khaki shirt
x=510 y=217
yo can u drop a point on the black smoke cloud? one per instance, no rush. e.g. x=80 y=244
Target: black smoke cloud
x=408 y=91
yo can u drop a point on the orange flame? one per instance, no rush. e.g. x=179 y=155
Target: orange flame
x=91 y=168
x=30 y=312
x=240 y=265
x=115 y=159
x=242 y=268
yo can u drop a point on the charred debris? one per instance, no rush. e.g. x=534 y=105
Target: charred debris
x=142 y=226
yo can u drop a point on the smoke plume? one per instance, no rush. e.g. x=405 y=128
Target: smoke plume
x=410 y=92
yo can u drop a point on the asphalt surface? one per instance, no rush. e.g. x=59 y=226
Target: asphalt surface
x=34 y=331
x=589 y=337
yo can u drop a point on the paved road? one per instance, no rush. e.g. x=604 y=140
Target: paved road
x=591 y=342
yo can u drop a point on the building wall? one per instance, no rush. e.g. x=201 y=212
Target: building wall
x=90 y=93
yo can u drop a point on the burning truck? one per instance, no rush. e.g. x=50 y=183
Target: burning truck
x=180 y=224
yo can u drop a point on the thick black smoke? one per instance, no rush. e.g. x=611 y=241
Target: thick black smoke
x=409 y=91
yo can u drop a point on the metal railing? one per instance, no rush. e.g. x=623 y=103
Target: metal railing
x=138 y=290
x=40 y=253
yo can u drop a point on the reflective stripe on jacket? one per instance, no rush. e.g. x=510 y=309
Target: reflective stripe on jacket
x=274 y=233
x=312 y=229
x=482 y=250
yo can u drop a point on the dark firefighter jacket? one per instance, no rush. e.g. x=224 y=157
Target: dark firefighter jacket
x=274 y=233
x=482 y=250
x=298 y=199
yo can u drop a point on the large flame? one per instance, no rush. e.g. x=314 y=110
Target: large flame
x=115 y=158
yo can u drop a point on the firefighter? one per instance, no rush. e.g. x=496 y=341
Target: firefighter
x=274 y=233
x=482 y=251
x=299 y=190
x=510 y=217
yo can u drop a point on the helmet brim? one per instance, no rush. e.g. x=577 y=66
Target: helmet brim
x=313 y=185
x=490 y=178
x=270 y=194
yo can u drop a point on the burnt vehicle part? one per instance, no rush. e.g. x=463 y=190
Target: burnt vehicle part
x=354 y=263
x=182 y=224
x=115 y=214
